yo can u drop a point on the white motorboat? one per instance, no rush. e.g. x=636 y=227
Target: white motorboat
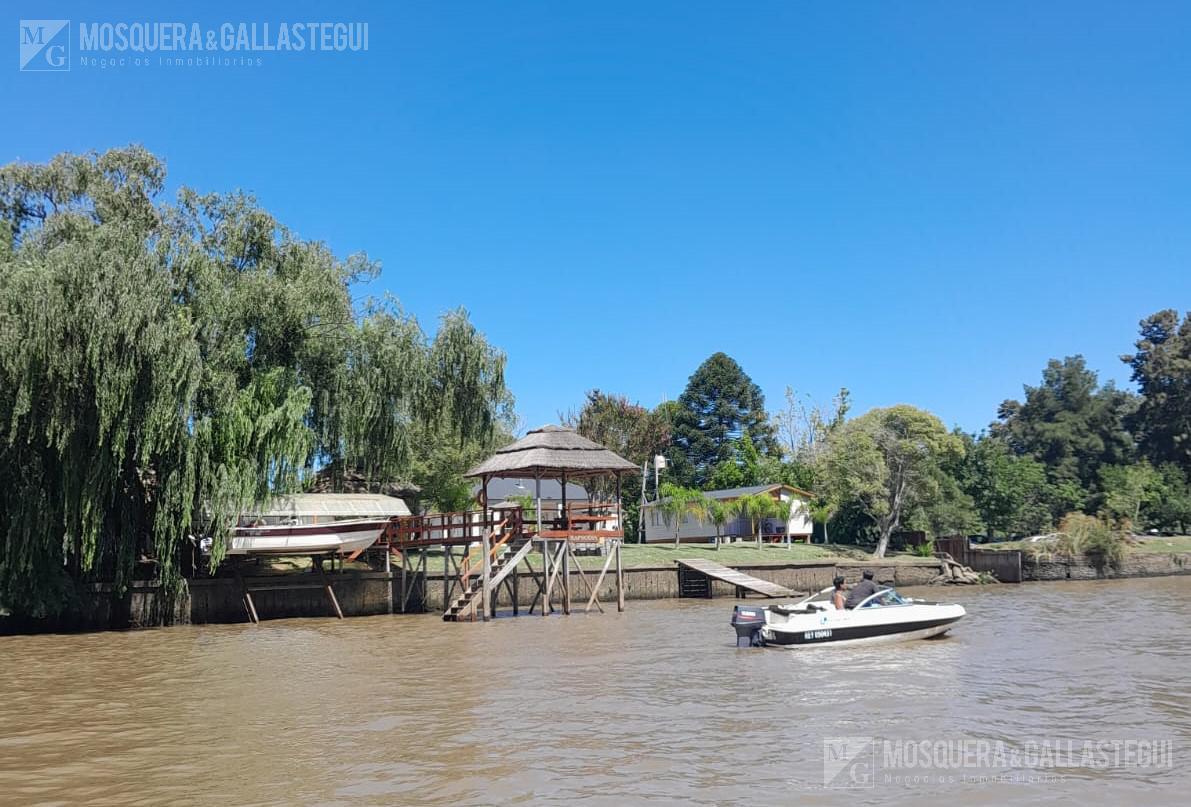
x=884 y=617
x=306 y=539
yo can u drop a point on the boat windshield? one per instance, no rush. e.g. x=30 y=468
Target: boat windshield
x=822 y=596
x=885 y=597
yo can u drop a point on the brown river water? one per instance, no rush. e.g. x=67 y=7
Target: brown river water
x=653 y=705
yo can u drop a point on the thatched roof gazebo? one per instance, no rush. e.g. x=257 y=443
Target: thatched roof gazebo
x=552 y=452
x=559 y=452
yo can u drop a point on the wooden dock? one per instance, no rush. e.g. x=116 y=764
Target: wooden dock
x=695 y=576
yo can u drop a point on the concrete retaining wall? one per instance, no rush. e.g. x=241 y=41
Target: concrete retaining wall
x=1136 y=564
x=364 y=593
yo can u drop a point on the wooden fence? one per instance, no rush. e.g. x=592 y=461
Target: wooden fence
x=1003 y=564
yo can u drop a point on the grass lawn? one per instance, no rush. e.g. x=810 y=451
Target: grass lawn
x=1001 y=545
x=638 y=555
x=645 y=555
x=1158 y=543
x=1149 y=543
x=664 y=554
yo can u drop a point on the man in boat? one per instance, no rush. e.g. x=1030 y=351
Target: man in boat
x=837 y=596
x=862 y=590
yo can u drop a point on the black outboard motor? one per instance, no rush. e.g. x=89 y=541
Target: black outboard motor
x=748 y=620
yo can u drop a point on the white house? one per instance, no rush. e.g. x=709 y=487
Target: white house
x=692 y=530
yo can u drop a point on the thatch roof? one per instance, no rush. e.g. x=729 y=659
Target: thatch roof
x=550 y=452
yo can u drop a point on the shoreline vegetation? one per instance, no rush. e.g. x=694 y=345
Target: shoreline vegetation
x=167 y=363
x=1152 y=544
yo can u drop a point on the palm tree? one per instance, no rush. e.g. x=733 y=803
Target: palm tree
x=756 y=508
x=719 y=513
x=783 y=509
x=676 y=503
x=699 y=506
x=822 y=511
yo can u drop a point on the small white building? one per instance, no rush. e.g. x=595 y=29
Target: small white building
x=692 y=530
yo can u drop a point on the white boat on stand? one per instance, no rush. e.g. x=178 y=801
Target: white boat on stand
x=306 y=539
x=313 y=524
x=885 y=616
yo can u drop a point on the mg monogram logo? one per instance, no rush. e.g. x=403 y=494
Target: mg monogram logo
x=849 y=762
x=45 y=44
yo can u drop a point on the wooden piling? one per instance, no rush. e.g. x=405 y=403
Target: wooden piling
x=389 y=587
x=619 y=580
x=566 y=577
x=485 y=543
x=545 y=577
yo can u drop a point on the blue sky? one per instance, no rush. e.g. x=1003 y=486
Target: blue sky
x=920 y=201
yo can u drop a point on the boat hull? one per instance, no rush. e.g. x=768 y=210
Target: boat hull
x=306 y=539
x=859 y=626
x=858 y=635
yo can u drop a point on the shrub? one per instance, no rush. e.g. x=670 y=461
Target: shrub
x=1093 y=538
x=924 y=550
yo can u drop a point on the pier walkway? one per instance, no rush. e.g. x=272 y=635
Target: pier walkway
x=695 y=576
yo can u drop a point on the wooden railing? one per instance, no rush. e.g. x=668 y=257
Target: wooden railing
x=465 y=569
x=447 y=529
x=582 y=522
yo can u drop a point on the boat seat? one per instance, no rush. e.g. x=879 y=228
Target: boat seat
x=787 y=611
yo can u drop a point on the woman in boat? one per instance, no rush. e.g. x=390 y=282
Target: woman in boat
x=837 y=596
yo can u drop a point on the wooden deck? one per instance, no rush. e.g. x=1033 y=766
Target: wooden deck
x=483 y=549
x=743 y=582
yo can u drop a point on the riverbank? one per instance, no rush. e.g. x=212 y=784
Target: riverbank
x=284 y=590
x=361 y=593
x=1147 y=556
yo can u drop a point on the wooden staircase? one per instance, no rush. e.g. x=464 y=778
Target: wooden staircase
x=506 y=554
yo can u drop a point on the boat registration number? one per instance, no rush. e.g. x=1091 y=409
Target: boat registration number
x=817 y=634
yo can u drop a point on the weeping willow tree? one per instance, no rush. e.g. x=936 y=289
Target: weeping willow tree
x=416 y=409
x=164 y=365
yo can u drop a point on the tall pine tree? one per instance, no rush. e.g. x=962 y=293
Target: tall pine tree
x=719 y=406
x=1162 y=369
x=1070 y=424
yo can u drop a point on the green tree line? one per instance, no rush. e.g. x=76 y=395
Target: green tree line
x=1069 y=445
x=165 y=363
